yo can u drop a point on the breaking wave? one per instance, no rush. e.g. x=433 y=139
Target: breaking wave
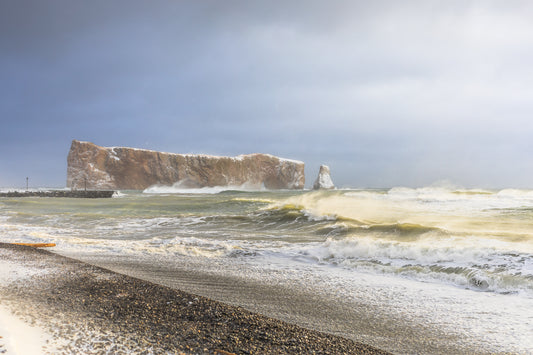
x=475 y=239
x=467 y=266
x=183 y=188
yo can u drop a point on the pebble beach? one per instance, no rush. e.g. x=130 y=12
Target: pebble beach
x=74 y=307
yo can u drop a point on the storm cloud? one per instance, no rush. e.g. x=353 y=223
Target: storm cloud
x=387 y=93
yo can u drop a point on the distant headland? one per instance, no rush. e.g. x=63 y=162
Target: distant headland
x=93 y=167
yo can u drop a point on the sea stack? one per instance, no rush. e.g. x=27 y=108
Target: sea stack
x=323 y=181
x=119 y=168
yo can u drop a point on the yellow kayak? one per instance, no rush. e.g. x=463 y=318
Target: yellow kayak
x=37 y=245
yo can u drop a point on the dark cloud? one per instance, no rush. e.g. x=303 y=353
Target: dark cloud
x=387 y=93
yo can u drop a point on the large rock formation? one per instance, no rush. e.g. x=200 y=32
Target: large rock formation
x=323 y=181
x=98 y=167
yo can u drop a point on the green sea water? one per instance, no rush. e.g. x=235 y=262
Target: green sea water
x=471 y=238
x=472 y=246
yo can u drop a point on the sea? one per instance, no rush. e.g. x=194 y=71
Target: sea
x=419 y=265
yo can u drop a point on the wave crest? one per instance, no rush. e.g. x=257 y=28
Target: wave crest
x=183 y=188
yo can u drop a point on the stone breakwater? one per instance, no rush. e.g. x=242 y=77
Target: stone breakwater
x=61 y=193
x=137 y=169
x=90 y=310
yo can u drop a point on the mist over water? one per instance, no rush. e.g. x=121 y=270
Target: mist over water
x=469 y=242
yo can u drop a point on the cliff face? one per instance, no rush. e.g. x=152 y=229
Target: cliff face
x=136 y=169
x=323 y=181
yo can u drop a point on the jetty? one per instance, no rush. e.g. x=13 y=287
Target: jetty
x=61 y=193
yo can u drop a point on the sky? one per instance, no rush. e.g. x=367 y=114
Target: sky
x=387 y=93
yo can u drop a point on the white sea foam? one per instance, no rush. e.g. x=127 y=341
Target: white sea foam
x=493 y=323
x=451 y=261
x=118 y=194
x=180 y=188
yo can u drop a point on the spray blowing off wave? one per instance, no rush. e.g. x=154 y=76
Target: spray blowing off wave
x=459 y=213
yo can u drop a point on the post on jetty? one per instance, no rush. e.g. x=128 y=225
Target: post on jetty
x=27 y=185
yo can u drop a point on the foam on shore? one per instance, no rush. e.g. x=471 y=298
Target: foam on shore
x=87 y=309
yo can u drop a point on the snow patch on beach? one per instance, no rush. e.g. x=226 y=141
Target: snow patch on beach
x=18 y=337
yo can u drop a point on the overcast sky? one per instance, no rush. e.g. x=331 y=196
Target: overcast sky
x=387 y=93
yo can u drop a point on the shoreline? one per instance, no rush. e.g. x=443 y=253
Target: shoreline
x=91 y=309
x=365 y=318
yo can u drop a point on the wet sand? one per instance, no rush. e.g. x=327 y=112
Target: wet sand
x=91 y=310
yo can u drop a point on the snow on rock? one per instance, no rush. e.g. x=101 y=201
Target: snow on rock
x=323 y=181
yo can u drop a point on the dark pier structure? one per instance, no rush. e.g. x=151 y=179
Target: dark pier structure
x=61 y=193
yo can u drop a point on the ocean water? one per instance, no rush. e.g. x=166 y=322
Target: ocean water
x=457 y=260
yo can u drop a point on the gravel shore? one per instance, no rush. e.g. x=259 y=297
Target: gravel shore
x=91 y=310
